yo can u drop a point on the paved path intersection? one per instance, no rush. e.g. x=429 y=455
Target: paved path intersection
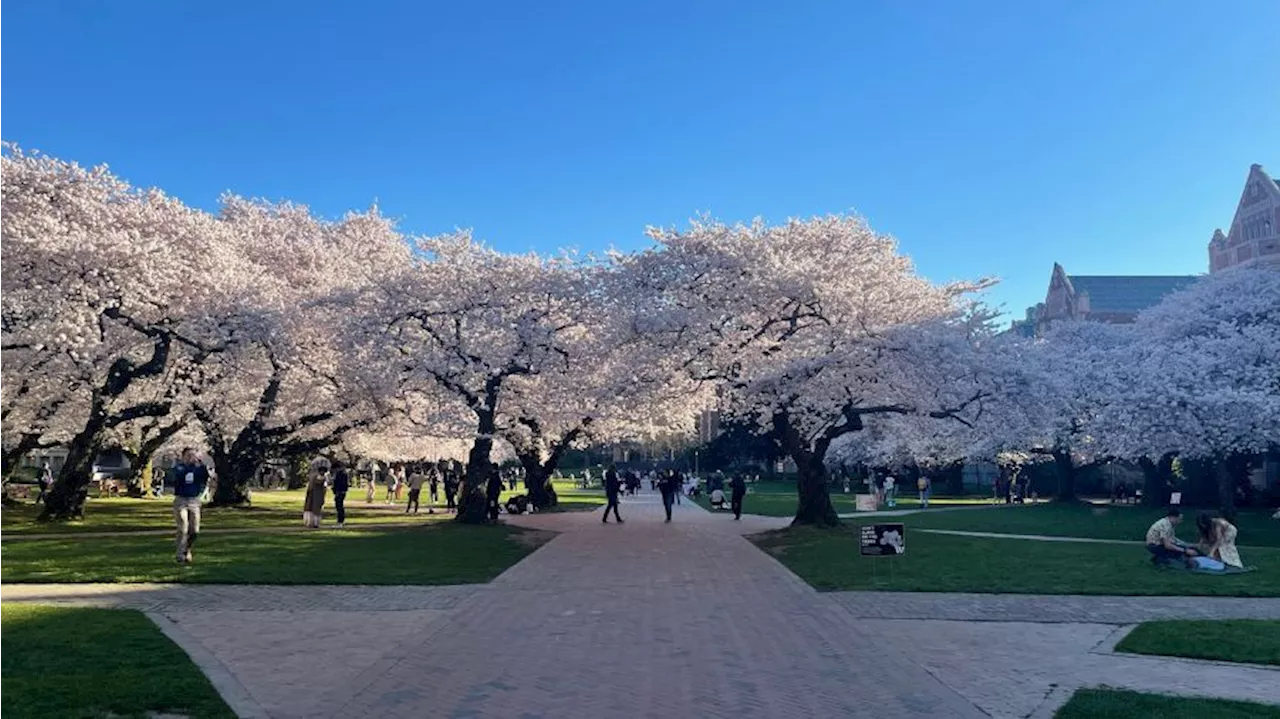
x=658 y=620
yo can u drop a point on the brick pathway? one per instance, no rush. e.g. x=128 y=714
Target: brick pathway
x=646 y=620
x=650 y=619
x=1049 y=609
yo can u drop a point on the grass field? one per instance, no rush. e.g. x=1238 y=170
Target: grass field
x=830 y=560
x=271 y=508
x=778 y=499
x=1252 y=641
x=437 y=553
x=1114 y=704
x=73 y=662
x=1077 y=519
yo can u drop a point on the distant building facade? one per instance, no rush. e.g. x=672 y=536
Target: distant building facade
x=1254 y=235
x=1252 y=240
x=1114 y=299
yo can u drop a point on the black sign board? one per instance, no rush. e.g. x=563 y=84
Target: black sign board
x=877 y=540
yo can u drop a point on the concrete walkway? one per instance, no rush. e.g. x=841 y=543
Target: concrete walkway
x=648 y=619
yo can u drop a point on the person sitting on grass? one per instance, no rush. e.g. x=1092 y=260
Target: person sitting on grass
x=1163 y=542
x=1218 y=540
x=717 y=498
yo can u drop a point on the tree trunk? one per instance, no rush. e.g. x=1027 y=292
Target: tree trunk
x=815 y=507
x=538 y=478
x=234 y=474
x=1156 y=480
x=1066 y=474
x=1230 y=471
x=71 y=488
x=472 y=503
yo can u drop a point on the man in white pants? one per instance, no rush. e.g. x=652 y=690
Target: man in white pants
x=190 y=477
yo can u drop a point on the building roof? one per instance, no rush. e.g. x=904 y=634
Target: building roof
x=1127 y=293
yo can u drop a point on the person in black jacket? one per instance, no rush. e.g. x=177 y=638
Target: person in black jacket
x=450 y=489
x=669 y=485
x=739 y=487
x=341 y=483
x=493 y=492
x=611 y=489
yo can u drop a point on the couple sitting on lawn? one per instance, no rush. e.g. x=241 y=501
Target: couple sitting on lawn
x=1216 y=551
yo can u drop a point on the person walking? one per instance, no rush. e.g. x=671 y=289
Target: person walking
x=450 y=490
x=493 y=494
x=923 y=485
x=313 y=503
x=46 y=483
x=371 y=490
x=190 y=477
x=341 y=483
x=433 y=489
x=391 y=485
x=739 y=487
x=669 y=485
x=611 y=489
x=416 y=480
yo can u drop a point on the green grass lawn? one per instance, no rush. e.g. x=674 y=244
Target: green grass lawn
x=1077 y=519
x=438 y=553
x=829 y=560
x=778 y=499
x=1116 y=704
x=74 y=662
x=1237 y=640
x=271 y=508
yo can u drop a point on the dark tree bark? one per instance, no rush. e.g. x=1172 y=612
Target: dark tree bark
x=472 y=502
x=237 y=463
x=537 y=471
x=1066 y=470
x=1230 y=472
x=234 y=471
x=815 y=508
x=473 y=505
x=66 y=499
x=1157 y=479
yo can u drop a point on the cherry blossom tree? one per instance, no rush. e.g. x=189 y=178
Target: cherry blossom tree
x=1201 y=378
x=466 y=321
x=1052 y=394
x=118 y=283
x=808 y=328
x=609 y=389
x=291 y=390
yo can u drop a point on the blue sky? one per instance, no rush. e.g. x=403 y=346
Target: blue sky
x=989 y=137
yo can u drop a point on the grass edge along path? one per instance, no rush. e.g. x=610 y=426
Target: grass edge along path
x=829 y=560
x=1108 y=703
x=1253 y=641
x=76 y=662
x=276 y=508
x=434 y=554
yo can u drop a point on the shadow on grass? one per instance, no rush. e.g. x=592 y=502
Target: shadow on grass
x=440 y=553
x=72 y=662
